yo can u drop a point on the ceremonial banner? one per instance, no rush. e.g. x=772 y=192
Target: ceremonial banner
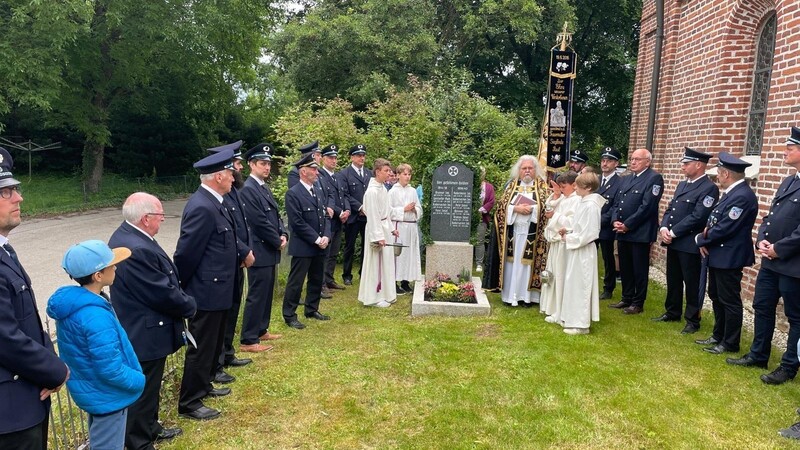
x=558 y=119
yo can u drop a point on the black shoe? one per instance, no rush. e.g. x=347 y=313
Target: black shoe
x=399 y=290
x=665 y=318
x=718 y=349
x=406 y=286
x=219 y=392
x=710 y=341
x=237 y=362
x=223 y=377
x=317 y=315
x=334 y=285
x=294 y=323
x=605 y=296
x=632 y=310
x=778 y=376
x=619 y=305
x=168 y=433
x=746 y=361
x=690 y=329
x=348 y=282
x=201 y=413
x=325 y=294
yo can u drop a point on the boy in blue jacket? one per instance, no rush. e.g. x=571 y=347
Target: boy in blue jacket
x=105 y=374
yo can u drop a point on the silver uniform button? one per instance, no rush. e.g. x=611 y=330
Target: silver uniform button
x=16 y=377
x=160 y=323
x=215 y=279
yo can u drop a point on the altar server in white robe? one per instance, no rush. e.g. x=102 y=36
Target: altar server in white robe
x=406 y=212
x=377 y=286
x=581 y=302
x=562 y=201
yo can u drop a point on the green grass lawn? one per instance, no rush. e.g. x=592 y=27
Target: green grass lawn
x=374 y=378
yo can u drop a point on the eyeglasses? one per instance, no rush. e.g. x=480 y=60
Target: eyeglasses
x=8 y=192
x=155 y=214
x=638 y=159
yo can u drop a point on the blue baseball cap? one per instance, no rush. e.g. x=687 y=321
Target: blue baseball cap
x=92 y=256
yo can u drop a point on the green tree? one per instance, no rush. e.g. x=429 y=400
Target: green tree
x=114 y=57
x=357 y=49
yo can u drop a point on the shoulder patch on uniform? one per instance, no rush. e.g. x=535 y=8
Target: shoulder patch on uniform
x=656 y=189
x=734 y=213
x=708 y=201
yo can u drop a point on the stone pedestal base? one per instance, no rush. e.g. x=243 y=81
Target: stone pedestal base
x=419 y=307
x=448 y=258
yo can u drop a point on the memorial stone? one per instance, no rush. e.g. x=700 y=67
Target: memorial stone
x=451 y=203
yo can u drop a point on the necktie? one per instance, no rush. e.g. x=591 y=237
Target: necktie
x=791 y=183
x=604 y=182
x=13 y=255
x=361 y=173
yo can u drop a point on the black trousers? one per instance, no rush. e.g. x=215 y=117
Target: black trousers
x=258 y=306
x=33 y=438
x=332 y=252
x=301 y=266
x=351 y=232
x=200 y=365
x=634 y=267
x=609 y=265
x=227 y=352
x=725 y=290
x=683 y=270
x=142 y=427
x=770 y=286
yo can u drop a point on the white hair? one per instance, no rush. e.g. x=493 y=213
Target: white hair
x=137 y=205
x=536 y=167
x=207 y=176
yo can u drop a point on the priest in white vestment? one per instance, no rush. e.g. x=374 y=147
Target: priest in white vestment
x=563 y=201
x=406 y=212
x=523 y=211
x=581 y=304
x=377 y=286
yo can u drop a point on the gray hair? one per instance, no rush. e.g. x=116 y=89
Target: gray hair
x=207 y=176
x=539 y=173
x=137 y=205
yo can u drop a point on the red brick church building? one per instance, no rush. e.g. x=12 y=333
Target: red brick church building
x=729 y=80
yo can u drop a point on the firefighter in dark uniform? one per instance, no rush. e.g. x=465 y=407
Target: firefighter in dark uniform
x=727 y=242
x=685 y=216
x=610 y=182
x=779 y=276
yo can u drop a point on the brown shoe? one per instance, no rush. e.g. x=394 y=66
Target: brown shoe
x=269 y=336
x=326 y=293
x=254 y=348
x=632 y=310
x=335 y=285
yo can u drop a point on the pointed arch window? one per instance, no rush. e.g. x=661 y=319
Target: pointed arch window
x=761 y=78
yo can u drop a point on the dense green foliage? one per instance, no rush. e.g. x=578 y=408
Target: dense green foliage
x=140 y=88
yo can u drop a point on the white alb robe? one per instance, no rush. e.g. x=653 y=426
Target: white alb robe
x=516 y=275
x=581 y=304
x=377 y=269
x=563 y=210
x=407 y=265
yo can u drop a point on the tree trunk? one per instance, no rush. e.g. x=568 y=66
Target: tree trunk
x=93 y=164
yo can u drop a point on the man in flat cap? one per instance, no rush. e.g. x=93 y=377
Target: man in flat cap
x=151 y=307
x=356 y=177
x=207 y=259
x=727 y=242
x=30 y=368
x=269 y=238
x=235 y=205
x=311 y=234
x=335 y=189
x=779 y=276
x=577 y=160
x=634 y=217
x=316 y=153
x=685 y=216
x=609 y=185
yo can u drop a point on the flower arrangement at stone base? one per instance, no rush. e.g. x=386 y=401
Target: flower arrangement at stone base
x=442 y=288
